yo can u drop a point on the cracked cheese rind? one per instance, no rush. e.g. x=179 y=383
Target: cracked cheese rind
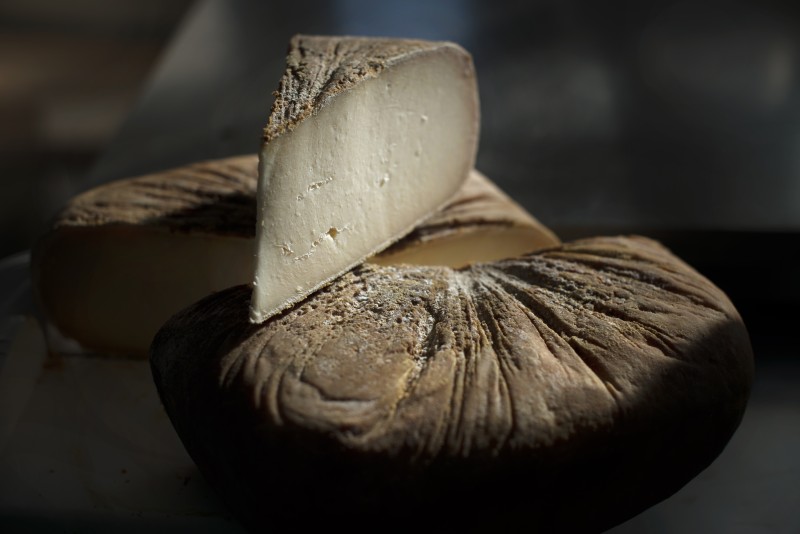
x=366 y=139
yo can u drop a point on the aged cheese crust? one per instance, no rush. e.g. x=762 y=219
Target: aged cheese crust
x=320 y=67
x=122 y=258
x=572 y=387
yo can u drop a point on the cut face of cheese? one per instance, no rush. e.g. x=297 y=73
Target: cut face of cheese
x=390 y=138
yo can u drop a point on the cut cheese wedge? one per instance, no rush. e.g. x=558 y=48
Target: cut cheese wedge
x=122 y=258
x=367 y=138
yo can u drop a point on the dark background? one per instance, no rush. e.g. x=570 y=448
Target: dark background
x=70 y=72
x=678 y=120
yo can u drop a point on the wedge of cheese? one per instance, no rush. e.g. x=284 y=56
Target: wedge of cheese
x=122 y=258
x=367 y=137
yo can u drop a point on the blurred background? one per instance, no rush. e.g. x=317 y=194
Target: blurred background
x=679 y=120
x=70 y=73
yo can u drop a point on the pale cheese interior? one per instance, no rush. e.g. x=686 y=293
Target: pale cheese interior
x=361 y=173
x=474 y=245
x=112 y=288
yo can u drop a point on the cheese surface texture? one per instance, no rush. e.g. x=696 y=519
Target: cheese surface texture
x=366 y=139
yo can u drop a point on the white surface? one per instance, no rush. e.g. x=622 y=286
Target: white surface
x=361 y=173
x=84 y=441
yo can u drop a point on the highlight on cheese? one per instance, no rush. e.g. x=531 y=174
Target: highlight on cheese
x=366 y=139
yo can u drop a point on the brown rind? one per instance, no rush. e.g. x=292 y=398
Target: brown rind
x=569 y=389
x=319 y=67
x=213 y=197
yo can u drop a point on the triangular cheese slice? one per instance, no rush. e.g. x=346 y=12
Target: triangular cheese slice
x=367 y=137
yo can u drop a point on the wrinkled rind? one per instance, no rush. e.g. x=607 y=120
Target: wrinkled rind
x=318 y=68
x=213 y=197
x=597 y=377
